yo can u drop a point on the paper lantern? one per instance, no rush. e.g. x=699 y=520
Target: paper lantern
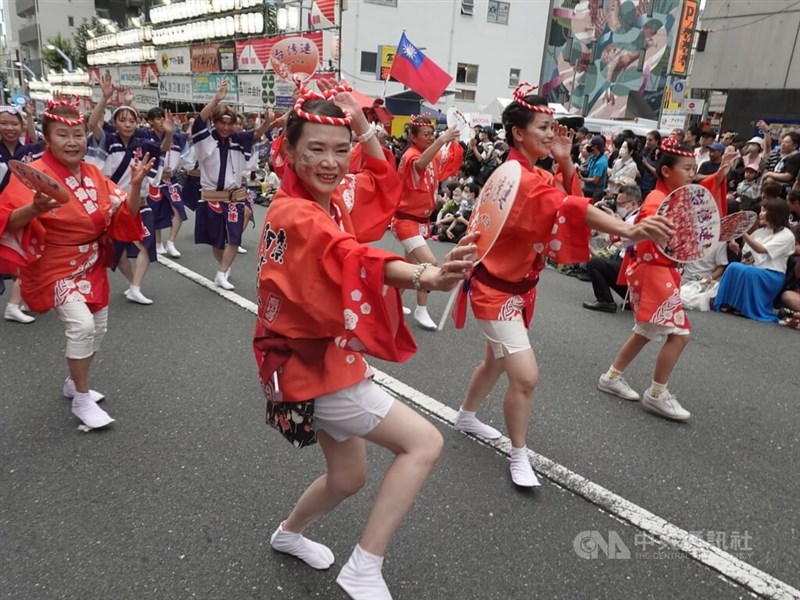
x=230 y=28
x=259 y=23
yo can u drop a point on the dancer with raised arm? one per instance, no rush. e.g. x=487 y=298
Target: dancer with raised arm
x=427 y=162
x=325 y=299
x=222 y=155
x=548 y=218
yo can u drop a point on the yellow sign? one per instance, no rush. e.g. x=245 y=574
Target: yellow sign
x=685 y=38
x=385 y=60
x=669 y=102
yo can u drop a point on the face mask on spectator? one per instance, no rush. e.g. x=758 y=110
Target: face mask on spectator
x=623 y=152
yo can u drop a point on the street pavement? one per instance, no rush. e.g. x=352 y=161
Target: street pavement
x=178 y=498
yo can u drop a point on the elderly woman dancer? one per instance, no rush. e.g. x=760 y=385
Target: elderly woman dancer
x=312 y=332
x=63 y=250
x=548 y=218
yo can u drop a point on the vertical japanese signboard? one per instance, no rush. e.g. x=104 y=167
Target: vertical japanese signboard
x=685 y=38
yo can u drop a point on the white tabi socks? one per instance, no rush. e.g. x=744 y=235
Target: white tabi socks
x=313 y=554
x=88 y=412
x=361 y=577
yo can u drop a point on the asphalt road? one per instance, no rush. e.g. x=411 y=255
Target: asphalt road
x=177 y=499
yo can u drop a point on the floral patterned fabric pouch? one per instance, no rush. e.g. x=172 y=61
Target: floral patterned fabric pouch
x=294 y=421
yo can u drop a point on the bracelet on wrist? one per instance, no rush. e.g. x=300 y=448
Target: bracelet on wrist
x=417 y=274
x=366 y=136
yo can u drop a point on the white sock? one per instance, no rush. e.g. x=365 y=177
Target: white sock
x=313 y=554
x=519 y=453
x=421 y=310
x=134 y=288
x=361 y=577
x=613 y=373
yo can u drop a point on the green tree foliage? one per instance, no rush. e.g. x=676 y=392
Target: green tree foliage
x=53 y=59
x=80 y=37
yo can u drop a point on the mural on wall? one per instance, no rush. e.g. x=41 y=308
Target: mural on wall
x=603 y=54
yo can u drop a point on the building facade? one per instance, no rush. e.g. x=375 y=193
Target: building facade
x=41 y=20
x=749 y=49
x=486 y=45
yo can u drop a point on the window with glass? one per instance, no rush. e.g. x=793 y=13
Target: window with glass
x=513 y=77
x=465 y=95
x=369 y=62
x=466 y=73
x=498 y=12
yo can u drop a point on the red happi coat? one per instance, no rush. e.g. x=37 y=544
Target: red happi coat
x=654 y=279
x=418 y=197
x=548 y=219
x=61 y=253
x=322 y=300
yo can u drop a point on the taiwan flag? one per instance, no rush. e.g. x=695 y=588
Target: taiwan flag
x=418 y=72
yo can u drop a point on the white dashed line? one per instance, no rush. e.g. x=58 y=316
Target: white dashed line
x=733 y=568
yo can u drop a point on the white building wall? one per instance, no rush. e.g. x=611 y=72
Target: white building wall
x=448 y=38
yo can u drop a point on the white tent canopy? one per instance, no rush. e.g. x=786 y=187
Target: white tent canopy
x=496 y=107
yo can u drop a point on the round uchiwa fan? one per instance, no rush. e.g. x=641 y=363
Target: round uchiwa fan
x=494 y=205
x=38 y=181
x=695 y=218
x=736 y=225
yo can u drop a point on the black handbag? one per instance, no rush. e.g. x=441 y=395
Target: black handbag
x=294 y=421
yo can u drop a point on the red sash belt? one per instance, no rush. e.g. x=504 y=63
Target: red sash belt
x=481 y=273
x=518 y=288
x=408 y=217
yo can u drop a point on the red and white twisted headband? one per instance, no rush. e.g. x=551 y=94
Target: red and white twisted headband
x=56 y=104
x=307 y=95
x=672 y=145
x=420 y=121
x=525 y=89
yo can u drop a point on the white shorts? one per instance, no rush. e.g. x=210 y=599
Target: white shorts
x=413 y=243
x=505 y=337
x=656 y=333
x=85 y=331
x=353 y=411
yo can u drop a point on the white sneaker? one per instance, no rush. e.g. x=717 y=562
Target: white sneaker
x=665 y=405
x=136 y=295
x=314 y=554
x=423 y=319
x=14 y=313
x=221 y=281
x=90 y=414
x=362 y=579
x=241 y=250
x=172 y=251
x=469 y=423
x=618 y=387
x=70 y=391
x=406 y=311
x=522 y=472
x=160 y=249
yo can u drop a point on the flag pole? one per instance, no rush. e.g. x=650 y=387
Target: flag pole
x=386 y=81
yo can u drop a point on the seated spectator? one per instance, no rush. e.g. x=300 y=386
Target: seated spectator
x=447 y=213
x=750 y=287
x=787 y=167
x=458 y=226
x=709 y=268
x=648 y=164
x=747 y=192
x=594 y=182
x=790 y=297
x=793 y=200
x=710 y=166
x=623 y=172
x=603 y=268
x=753 y=153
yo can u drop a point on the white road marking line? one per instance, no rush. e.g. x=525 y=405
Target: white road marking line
x=733 y=568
